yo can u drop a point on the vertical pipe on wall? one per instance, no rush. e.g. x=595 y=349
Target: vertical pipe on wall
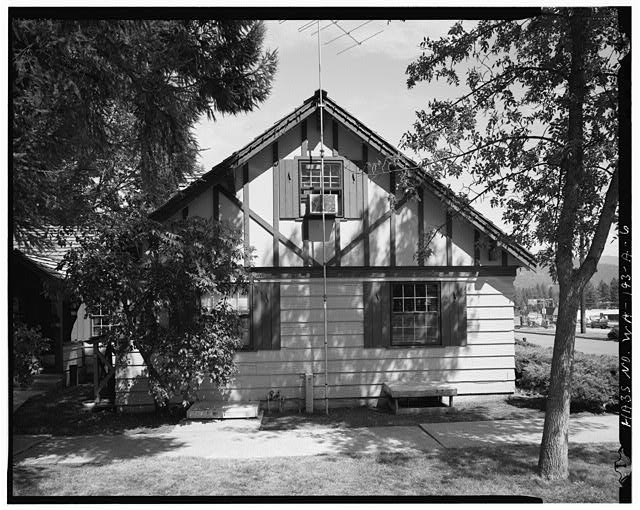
x=324 y=259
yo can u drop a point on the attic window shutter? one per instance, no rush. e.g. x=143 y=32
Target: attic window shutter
x=454 y=313
x=265 y=316
x=377 y=314
x=289 y=196
x=352 y=190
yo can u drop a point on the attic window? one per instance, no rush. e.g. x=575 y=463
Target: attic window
x=311 y=184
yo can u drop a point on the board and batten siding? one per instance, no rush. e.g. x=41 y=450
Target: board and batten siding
x=355 y=372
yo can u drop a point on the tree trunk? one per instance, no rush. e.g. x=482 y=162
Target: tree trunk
x=554 y=450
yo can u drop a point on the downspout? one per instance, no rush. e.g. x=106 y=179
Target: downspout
x=324 y=259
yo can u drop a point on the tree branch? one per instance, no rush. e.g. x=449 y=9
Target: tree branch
x=588 y=267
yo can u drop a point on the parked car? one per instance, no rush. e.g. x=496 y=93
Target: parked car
x=614 y=334
x=598 y=321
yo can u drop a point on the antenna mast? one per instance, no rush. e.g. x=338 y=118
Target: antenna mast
x=324 y=258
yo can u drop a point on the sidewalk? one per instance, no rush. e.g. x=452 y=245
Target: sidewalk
x=242 y=439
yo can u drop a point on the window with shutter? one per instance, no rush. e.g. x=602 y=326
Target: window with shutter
x=415 y=318
x=300 y=181
x=406 y=314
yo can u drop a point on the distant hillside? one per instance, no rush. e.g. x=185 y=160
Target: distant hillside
x=607 y=270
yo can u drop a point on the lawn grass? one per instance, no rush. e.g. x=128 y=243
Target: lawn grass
x=473 y=471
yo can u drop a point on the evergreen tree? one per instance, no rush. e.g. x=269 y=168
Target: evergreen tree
x=604 y=294
x=590 y=296
x=103 y=110
x=613 y=292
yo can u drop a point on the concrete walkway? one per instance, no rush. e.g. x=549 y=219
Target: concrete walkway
x=242 y=439
x=582 y=429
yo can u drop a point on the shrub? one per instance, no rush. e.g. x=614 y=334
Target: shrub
x=28 y=346
x=594 y=384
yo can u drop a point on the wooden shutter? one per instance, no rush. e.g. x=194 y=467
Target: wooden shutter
x=377 y=314
x=352 y=190
x=453 y=302
x=289 y=192
x=265 y=316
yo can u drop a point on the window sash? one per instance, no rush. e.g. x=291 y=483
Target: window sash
x=240 y=303
x=310 y=182
x=310 y=174
x=415 y=314
x=100 y=323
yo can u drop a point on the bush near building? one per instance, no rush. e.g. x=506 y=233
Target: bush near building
x=28 y=347
x=594 y=381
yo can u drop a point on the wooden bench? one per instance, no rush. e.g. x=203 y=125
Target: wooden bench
x=395 y=391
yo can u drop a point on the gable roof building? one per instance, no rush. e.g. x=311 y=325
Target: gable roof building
x=397 y=314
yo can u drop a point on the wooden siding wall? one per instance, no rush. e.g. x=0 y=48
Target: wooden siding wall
x=484 y=365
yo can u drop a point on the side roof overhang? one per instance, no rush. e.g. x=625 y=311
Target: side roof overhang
x=223 y=171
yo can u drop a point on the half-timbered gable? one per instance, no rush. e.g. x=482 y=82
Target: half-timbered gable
x=396 y=313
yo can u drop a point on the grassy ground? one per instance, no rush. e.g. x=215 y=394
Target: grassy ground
x=475 y=471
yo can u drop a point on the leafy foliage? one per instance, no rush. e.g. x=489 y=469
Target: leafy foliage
x=103 y=110
x=28 y=346
x=594 y=381
x=509 y=130
x=151 y=277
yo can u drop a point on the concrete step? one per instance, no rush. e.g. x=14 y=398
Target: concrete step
x=222 y=410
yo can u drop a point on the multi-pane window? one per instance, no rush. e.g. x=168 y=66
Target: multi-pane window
x=311 y=182
x=237 y=301
x=415 y=315
x=101 y=322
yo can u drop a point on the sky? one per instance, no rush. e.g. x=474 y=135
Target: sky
x=368 y=80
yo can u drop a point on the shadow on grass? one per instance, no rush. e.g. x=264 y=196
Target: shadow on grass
x=96 y=449
x=527 y=402
x=61 y=413
x=487 y=462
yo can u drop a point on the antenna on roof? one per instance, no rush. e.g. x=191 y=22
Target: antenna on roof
x=302 y=28
x=358 y=43
x=345 y=32
x=326 y=26
x=348 y=33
